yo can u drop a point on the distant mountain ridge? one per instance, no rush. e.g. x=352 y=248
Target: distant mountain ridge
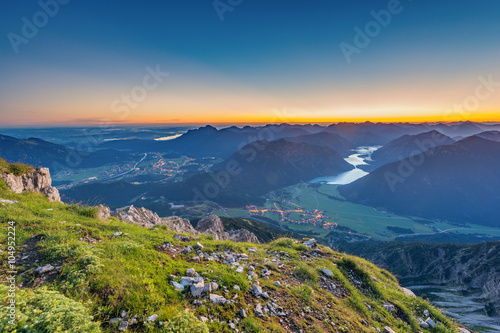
x=256 y=169
x=35 y=151
x=408 y=145
x=458 y=182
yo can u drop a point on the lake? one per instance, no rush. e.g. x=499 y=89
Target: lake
x=362 y=156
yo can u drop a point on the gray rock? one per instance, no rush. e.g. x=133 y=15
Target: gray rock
x=44 y=269
x=198 y=245
x=123 y=326
x=212 y=225
x=178 y=224
x=141 y=216
x=197 y=289
x=236 y=287
x=256 y=290
x=10 y=202
x=113 y=321
x=327 y=272
x=103 y=212
x=310 y=243
x=258 y=310
x=252 y=249
x=409 y=293
x=389 y=307
x=37 y=180
x=423 y=324
x=190 y=272
x=265 y=295
x=209 y=287
x=277 y=283
x=387 y=329
x=430 y=322
x=243 y=313
x=217 y=299
x=177 y=286
x=153 y=317
x=123 y=313
x=243 y=236
x=203 y=319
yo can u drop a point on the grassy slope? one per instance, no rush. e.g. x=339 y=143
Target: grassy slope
x=17 y=169
x=128 y=273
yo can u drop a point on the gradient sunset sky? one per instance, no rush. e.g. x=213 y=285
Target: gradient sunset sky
x=266 y=61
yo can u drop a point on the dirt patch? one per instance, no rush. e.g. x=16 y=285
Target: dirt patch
x=334 y=287
x=31 y=258
x=357 y=281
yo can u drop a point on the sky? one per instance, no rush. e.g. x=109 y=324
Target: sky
x=76 y=62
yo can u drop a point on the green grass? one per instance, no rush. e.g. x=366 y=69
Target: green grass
x=17 y=169
x=127 y=273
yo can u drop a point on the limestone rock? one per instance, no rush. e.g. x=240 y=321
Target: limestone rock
x=179 y=225
x=141 y=216
x=217 y=299
x=103 y=212
x=408 y=292
x=212 y=225
x=37 y=180
x=242 y=235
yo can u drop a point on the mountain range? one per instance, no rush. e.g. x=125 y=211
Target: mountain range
x=458 y=182
x=35 y=151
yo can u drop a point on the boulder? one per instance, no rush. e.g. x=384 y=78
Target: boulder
x=37 y=180
x=217 y=299
x=310 y=243
x=387 y=329
x=408 y=292
x=258 y=310
x=327 y=272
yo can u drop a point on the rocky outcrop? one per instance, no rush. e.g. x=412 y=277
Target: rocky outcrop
x=141 y=216
x=242 y=235
x=462 y=266
x=212 y=225
x=37 y=180
x=103 y=212
x=179 y=225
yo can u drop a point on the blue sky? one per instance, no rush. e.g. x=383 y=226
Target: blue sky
x=263 y=56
